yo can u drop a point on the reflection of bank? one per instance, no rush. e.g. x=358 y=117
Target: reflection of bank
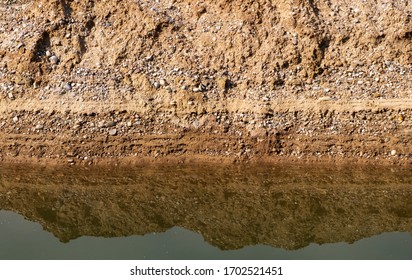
x=232 y=207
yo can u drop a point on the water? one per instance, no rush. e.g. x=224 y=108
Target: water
x=205 y=212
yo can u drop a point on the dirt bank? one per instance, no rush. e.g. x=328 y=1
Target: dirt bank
x=83 y=82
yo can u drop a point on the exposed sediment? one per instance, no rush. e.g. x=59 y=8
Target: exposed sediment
x=86 y=81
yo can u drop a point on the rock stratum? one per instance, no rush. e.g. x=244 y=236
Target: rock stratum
x=89 y=81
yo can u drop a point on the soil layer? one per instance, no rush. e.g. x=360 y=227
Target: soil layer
x=83 y=82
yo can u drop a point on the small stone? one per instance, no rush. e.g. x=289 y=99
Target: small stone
x=110 y=124
x=70 y=160
x=200 y=11
x=10 y=95
x=39 y=126
x=129 y=124
x=112 y=132
x=325 y=98
x=196 y=89
x=15 y=119
x=162 y=82
x=54 y=59
x=196 y=124
x=222 y=83
x=101 y=124
x=357 y=62
x=48 y=54
x=156 y=84
x=393 y=152
x=67 y=87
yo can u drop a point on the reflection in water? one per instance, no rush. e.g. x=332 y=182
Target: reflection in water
x=231 y=207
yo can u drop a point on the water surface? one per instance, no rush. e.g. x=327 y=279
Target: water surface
x=205 y=212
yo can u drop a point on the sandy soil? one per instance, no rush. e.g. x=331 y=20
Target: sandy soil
x=86 y=82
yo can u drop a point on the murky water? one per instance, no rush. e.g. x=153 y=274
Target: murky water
x=206 y=212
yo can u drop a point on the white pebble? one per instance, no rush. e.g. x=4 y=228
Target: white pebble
x=54 y=59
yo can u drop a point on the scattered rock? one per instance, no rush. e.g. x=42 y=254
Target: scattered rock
x=112 y=132
x=258 y=133
x=110 y=124
x=295 y=40
x=325 y=98
x=393 y=152
x=196 y=124
x=101 y=124
x=162 y=82
x=222 y=83
x=67 y=87
x=54 y=59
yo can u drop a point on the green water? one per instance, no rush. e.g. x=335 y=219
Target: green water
x=206 y=212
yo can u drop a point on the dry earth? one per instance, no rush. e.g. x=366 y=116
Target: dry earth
x=83 y=82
